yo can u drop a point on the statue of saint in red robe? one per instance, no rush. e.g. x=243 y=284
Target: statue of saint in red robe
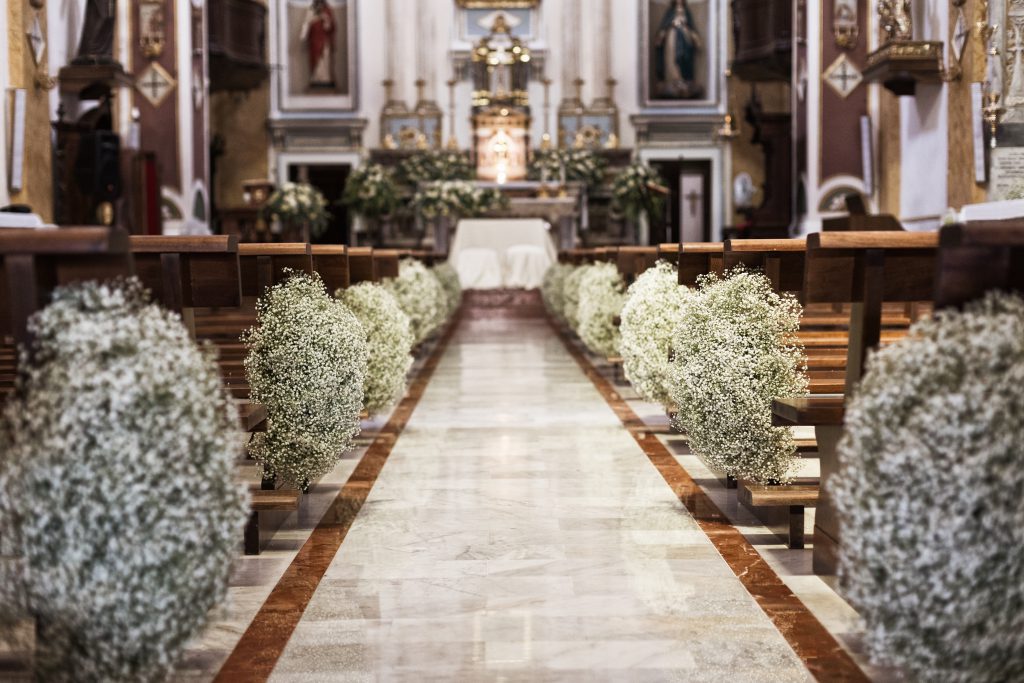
x=318 y=34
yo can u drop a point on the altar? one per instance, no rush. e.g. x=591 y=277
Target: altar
x=502 y=253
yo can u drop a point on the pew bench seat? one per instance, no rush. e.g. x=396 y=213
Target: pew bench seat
x=279 y=500
x=801 y=494
x=811 y=411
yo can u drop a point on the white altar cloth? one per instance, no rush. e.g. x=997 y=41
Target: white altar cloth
x=500 y=235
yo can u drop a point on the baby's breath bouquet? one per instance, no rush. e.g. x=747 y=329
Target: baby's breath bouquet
x=552 y=290
x=371 y=192
x=299 y=204
x=449 y=279
x=633 y=192
x=571 y=295
x=654 y=307
x=581 y=165
x=119 y=492
x=457 y=198
x=736 y=349
x=389 y=343
x=307 y=364
x=929 y=497
x=421 y=296
x=433 y=165
x=601 y=299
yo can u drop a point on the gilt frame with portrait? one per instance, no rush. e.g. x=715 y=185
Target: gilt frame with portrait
x=308 y=84
x=681 y=62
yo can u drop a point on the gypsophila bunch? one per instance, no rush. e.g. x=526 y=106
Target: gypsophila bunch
x=736 y=349
x=388 y=340
x=571 y=295
x=421 y=296
x=633 y=192
x=929 y=497
x=449 y=279
x=371 y=191
x=552 y=289
x=650 y=317
x=602 y=294
x=579 y=165
x=299 y=203
x=457 y=198
x=118 y=483
x=433 y=165
x=307 y=364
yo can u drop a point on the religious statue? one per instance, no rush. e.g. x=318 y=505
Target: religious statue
x=896 y=21
x=318 y=34
x=96 y=45
x=677 y=45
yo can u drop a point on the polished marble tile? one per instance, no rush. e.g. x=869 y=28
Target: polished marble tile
x=518 y=533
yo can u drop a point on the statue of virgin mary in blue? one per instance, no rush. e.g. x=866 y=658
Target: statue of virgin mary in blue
x=676 y=48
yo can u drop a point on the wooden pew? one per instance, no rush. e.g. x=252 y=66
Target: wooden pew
x=386 y=263
x=331 y=262
x=699 y=258
x=669 y=252
x=361 y=265
x=632 y=261
x=863 y=270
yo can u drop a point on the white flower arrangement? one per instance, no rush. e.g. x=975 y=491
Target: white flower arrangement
x=650 y=317
x=736 y=349
x=371 y=192
x=119 y=486
x=297 y=203
x=388 y=339
x=433 y=165
x=307 y=364
x=602 y=294
x=552 y=289
x=571 y=295
x=633 y=192
x=458 y=198
x=421 y=296
x=449 y=279
x=929 y=497
x=582 y=165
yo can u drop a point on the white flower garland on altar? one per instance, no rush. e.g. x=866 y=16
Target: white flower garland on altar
x=389 y=343
x=601 y=299
x=119 y=487
x=449 y=279
x=421 y=295
x=650 y=317
x=736 y=349
x=929 y=497
x=307 y=364
x=552 y=289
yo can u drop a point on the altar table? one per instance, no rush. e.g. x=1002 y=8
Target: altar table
x=523 y=248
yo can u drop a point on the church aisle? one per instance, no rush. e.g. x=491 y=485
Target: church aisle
x=517 y=532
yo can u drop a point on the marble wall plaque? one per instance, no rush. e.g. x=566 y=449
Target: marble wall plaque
x=1007 y=171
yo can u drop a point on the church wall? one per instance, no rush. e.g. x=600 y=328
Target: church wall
x=241 y=120
x=961 y=186
x=37 y=189
x=5 y=120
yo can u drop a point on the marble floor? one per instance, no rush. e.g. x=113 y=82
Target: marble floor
x=518 y=533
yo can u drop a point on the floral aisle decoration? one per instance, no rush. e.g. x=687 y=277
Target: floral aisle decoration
x=301 y=205
x=371 y=192
x=307 y=364
x=634 y=192
x=650 y=317
x=421 y=296
x=449 y=279
x=456 y=198
x=433 y=165
x=571 y=295
x=388 y=340
x=929 y=497
x=576 y=165
x=552 y=289
x=119 y=486
x=602 y=294
x=736 y=349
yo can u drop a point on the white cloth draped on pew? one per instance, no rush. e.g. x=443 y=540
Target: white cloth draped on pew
x=522 y=252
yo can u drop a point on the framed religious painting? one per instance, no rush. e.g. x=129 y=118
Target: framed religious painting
x=316 y=47
x=681 y=64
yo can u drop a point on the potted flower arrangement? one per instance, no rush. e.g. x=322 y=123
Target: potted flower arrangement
x=638 y=193
x=307 y=364
x=553 y=289
x=433 y=165
x=652 y=313
x=928 y=495
x=372 y=194
x=736 y=350
x=301 y=208
x=601 y=298
x=421 y=295
x=120 y=499
x=568 y=165
x=449 y=279
x=389 y=343
x=455 y=198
